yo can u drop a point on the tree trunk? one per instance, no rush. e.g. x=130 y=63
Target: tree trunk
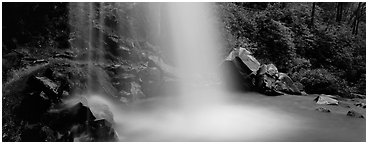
x=356 y=19
x=339 y=10
x=312 y=15
x=356 y=27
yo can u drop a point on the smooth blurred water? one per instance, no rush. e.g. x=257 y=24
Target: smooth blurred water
x=211 y=114
x=242 y=117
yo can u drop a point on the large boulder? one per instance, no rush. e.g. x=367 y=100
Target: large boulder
x=288 y=85
x=266 y=82
x=242 y=69
x=234 y=78
x=78 y=123
x=243 y=60
x=269 y=86
x=271 y=82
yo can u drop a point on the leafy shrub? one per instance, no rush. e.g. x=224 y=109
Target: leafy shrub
x=298 y=64
x=275 y=43
x=319 y=81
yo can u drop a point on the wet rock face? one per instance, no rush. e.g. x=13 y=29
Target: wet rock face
x=42 y=116
x=151 y=78
x=78 y=123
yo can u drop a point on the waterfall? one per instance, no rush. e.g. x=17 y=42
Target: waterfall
x=201 y=111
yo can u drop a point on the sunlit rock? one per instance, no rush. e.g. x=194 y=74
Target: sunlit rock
x=243 y=60
x=323 y=99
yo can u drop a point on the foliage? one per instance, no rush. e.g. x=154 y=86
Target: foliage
x=319 y=81
x=37 y=25
x=326 y=51
x=275 y=43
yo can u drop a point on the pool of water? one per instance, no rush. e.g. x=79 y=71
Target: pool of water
x=216 y=116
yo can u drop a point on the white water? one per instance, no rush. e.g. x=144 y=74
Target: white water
x=198 y=112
